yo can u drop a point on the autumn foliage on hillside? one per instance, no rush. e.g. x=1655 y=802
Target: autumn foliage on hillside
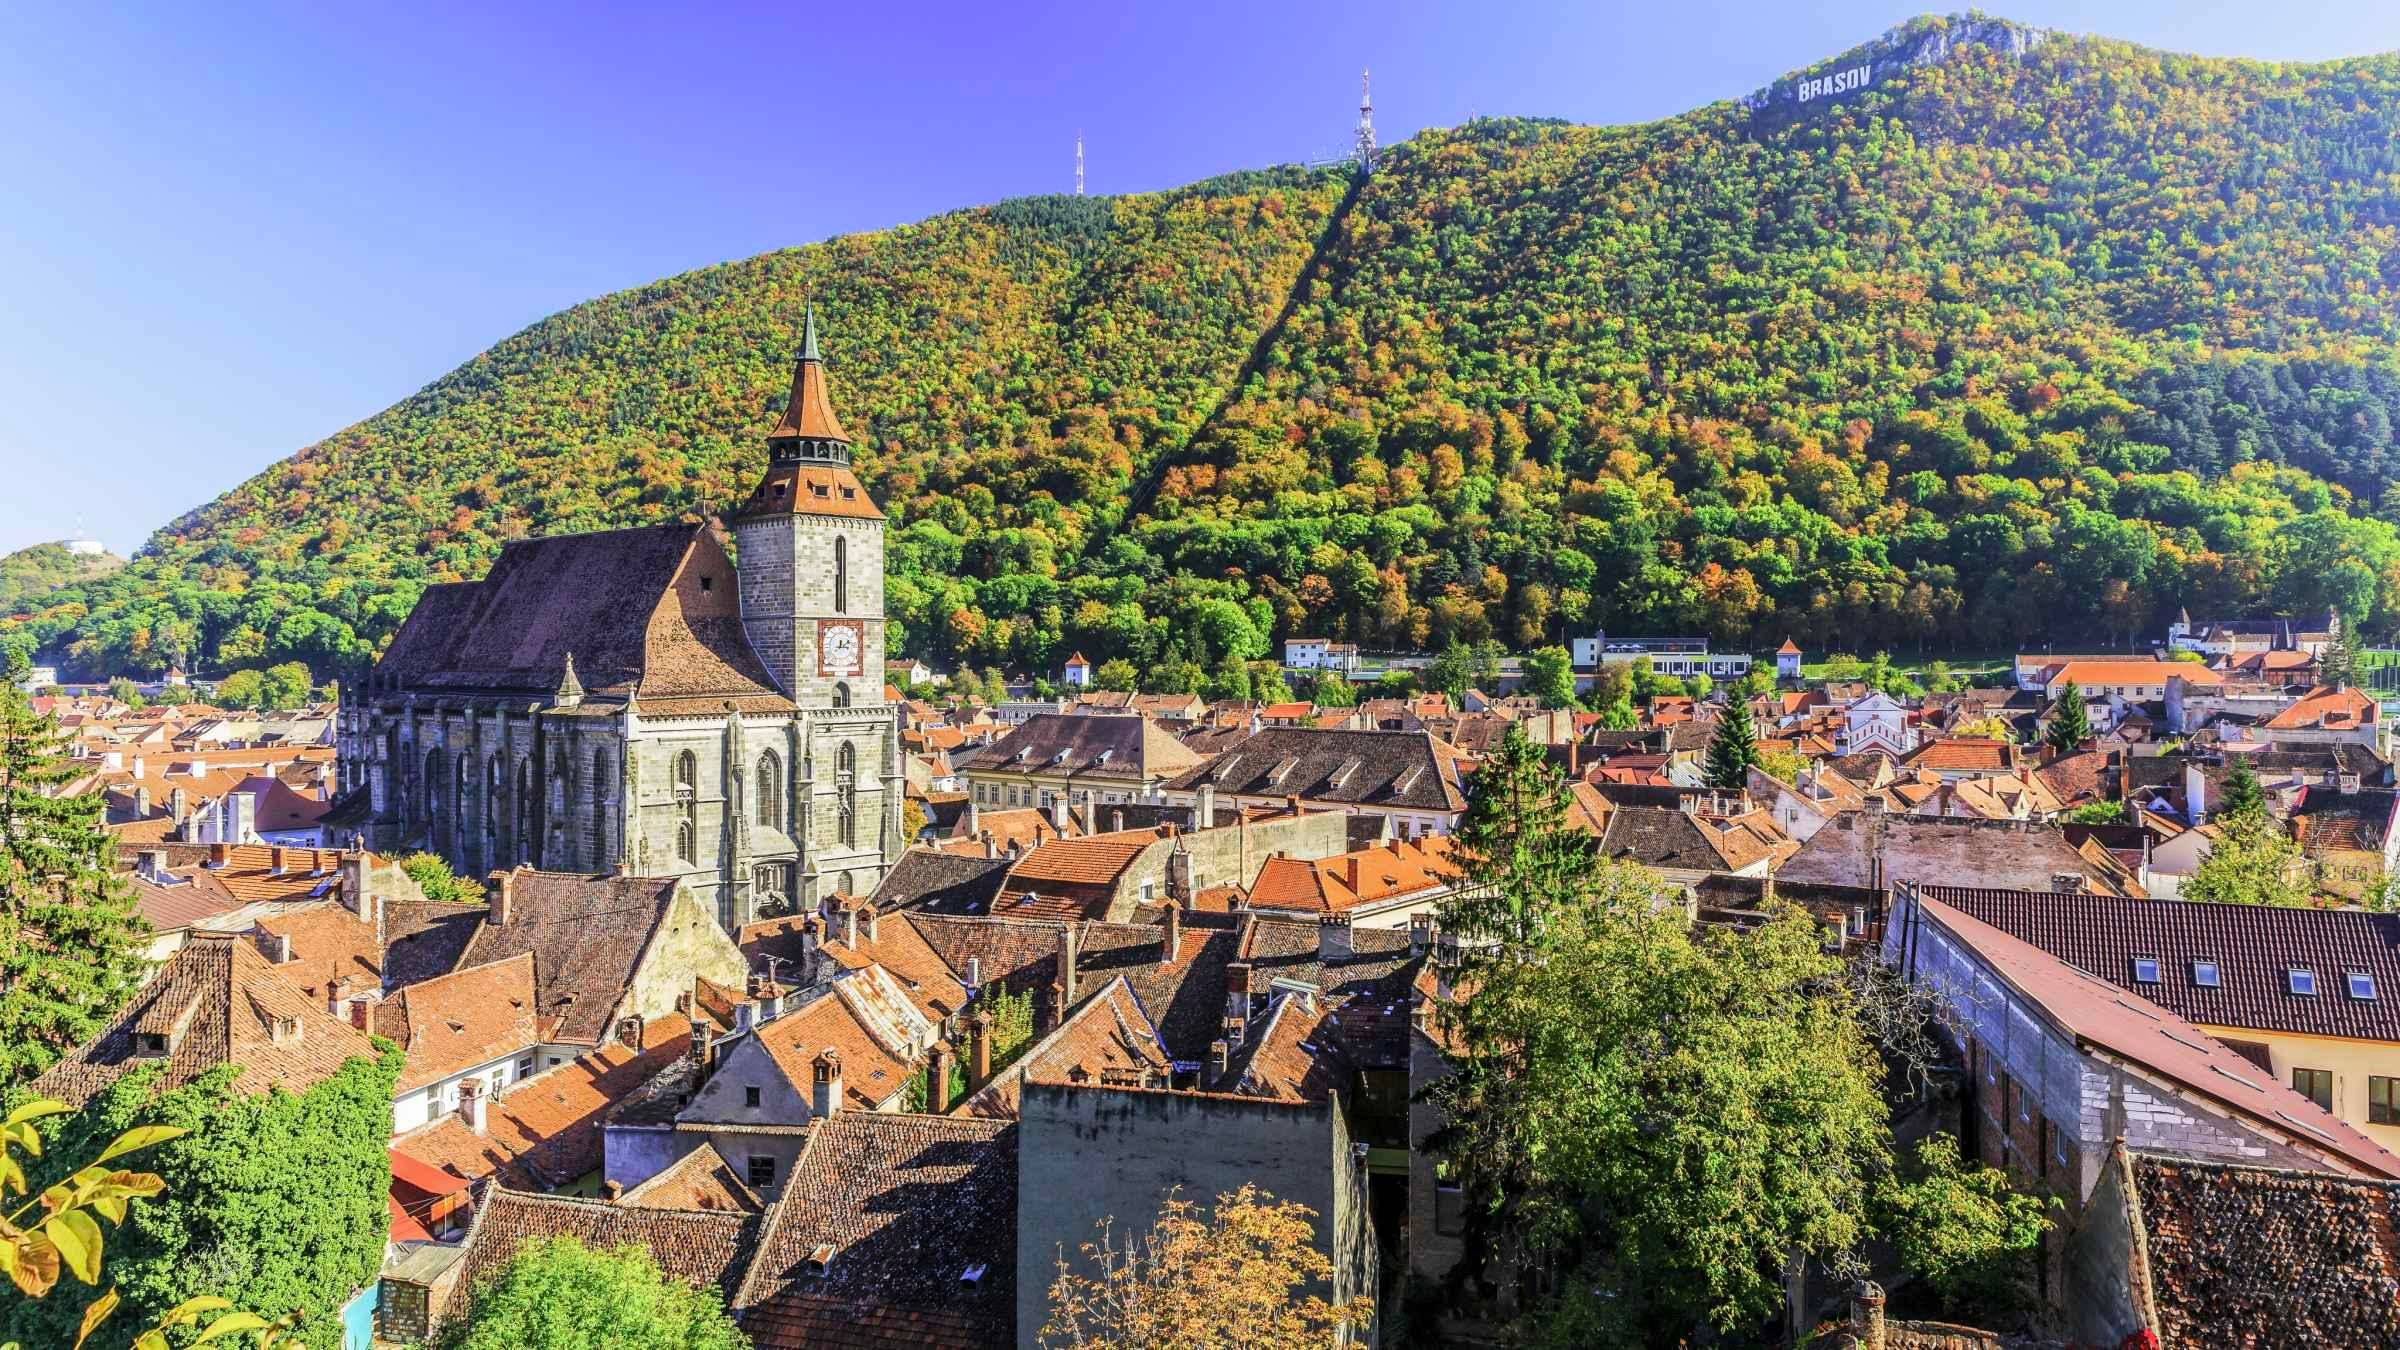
x=2007 y=346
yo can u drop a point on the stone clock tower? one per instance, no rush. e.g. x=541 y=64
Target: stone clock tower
x=810 y=562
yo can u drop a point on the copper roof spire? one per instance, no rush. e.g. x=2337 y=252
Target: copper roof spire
x=808 y=417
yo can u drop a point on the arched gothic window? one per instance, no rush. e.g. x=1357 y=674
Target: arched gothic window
x=770 y=790
x=841 y=696
x=433 y=781
x=845 y=782
x=687 y=774
x=687 y=842
x=604 y=795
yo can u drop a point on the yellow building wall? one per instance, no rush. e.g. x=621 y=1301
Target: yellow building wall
x=2352 y=1062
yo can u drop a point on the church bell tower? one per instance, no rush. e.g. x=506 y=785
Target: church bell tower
x=811 y=554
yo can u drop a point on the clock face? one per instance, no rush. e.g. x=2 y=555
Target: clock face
x=838 y=648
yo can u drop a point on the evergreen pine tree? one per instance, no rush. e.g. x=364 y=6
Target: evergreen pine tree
x=2073 y=725
x=70 y=942
x=2241 y=796
x=2337 y=665
x=1733 y=751
x=1515 y=855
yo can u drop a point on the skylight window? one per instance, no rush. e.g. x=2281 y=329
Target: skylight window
x=2301 y=980
x=2204 y=974
x=2145 y=970
x=2362 y=985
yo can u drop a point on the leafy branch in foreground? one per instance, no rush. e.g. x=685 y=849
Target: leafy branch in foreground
x=67 y=1237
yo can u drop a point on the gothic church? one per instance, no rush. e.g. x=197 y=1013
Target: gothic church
x=634 y=700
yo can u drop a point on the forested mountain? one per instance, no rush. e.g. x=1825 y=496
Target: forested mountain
x=2026 y=337
x=41 y=568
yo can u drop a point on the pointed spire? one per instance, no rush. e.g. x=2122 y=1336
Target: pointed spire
x=570 y=689
x=808 y=416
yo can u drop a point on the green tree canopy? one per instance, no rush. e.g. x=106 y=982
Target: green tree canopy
x=2071 y=726
x=71 y=942
x=1733 y=750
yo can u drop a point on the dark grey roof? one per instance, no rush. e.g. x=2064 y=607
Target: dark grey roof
x=586 y=934
x=1367 y=768
x=941 y=883
x=1086 y=747
x=423 y=938
x=1878 y=850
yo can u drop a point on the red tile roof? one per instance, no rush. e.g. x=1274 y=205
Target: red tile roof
x=2326 y=709
x=458 y=1021
x=2143 y=1033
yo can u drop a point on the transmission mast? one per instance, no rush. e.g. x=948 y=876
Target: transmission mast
x=1364 y=151
x=1078 y=163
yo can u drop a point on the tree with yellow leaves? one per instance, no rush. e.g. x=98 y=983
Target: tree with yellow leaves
x=1236 y=1277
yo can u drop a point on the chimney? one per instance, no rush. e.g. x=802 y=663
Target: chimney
x=937 y=1079
x=991 y=849
x=1055 y=1005
x=868 y=920
x=470 y=1103
x=220 y=854
x=504 y=888
x=850 y=927
x=179 y=804
x=825 y=1084
x=974 y=822
x=278 y=860
x=1070 y=955
x=277 y=947
x=1220 y=1058
x=354 y=872
x=245 y=817
x=1116 y=818
x=1420 y=934
x=1866 y=1316
x=1179 y=873
x=1333 y=936
x=1170 y=947
x=141 y=803
x=151 y=866
x=1204 y=815
x=360 y=1011
x=1237 y=989
x=979 y=1048
x=2195 y=793
x=1058 y=813
x=974 y=979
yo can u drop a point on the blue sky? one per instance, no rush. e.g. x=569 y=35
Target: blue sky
x=225 y=233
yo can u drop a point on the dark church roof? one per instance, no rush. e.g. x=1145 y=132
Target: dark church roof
x=652 y=612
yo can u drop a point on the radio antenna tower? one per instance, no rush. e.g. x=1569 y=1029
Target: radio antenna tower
x=1365 y=149
x=1078 y=163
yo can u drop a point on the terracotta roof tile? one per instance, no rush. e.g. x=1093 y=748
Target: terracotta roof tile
x=2288 y=1258
x=701 y=1179
x=1106 y=1039
x=908 y=1206
x=216 y=1002
x=455 y=1022
x=706 y=1251
x=544 y=1132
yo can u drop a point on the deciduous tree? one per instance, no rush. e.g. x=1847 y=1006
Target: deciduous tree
x=558 y=1294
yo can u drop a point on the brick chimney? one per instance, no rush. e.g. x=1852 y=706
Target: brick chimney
x=937 y=1078
x=278 y=860
x=361 y=1013
x=1237 y=989
x=1070 y=955
x=850 y=926
x=979 y=1048
x=1170 y=947
x=276 y=947
x=825 y=1083
x=470 y=1103
x=504 y=895
x=1866 y=1316
x=220 y=854
x=1054 y=1005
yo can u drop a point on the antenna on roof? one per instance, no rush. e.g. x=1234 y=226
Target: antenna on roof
x=1079 y=163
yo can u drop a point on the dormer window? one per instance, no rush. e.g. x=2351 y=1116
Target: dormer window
x=2145 y=970
x=2204 y=974
x=151 y=1045
x=2362 y=985
x=820 y=1258
x=2301 y=980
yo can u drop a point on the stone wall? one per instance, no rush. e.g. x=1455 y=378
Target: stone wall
x=2107 y=1285
x=1089 y=1154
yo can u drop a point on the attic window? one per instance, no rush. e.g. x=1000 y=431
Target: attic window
x=2362 y=985
x=708 y=583
x=972 y=1275
x=151 y=1044
x=2145 y=970
x=820 y=1258
x=2204 y=974
x=2301 y=980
